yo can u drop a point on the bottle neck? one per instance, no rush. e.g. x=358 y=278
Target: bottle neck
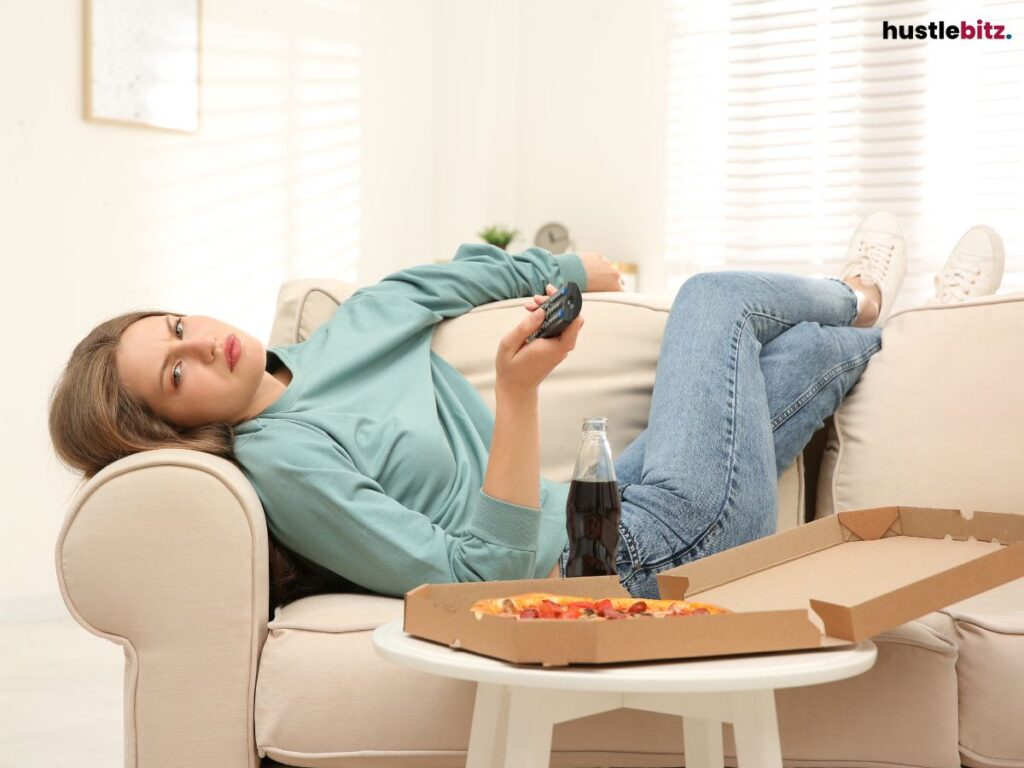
x=594 y=460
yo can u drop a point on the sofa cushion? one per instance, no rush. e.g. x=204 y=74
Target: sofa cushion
x=937 y=418
x=989 y=632
x=337 y=613
x=303 y=306
x=322 y=690
x=610 y=373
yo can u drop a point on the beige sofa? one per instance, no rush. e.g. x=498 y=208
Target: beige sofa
x=165 y=553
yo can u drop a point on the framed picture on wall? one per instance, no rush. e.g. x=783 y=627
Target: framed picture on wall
x=142 y=63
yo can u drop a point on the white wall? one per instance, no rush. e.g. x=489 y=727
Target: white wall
x=316 y=131
x=400 y=122
x=348 y=138
x=554 y=111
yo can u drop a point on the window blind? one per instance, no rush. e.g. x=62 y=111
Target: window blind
x=790 y=121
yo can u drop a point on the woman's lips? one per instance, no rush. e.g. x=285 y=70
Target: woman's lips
x=233 y=351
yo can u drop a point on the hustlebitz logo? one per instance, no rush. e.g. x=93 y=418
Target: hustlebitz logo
x=942 y=30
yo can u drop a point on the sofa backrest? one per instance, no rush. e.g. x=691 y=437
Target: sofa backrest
x=610 y=373
x=937 y=419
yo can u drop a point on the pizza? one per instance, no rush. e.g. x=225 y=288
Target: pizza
x=541 y=605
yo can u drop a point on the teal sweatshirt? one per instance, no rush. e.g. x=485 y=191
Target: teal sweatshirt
x=371 y=463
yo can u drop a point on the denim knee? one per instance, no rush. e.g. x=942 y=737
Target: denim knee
x=714 y=291
x=709 y=286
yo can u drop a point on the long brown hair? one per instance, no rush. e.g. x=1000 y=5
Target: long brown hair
x=94 y=421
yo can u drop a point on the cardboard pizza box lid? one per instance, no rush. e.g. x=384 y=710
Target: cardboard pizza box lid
x=862 y=572
x=827 y=583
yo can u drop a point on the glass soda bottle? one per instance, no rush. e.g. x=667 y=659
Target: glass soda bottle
x=593 y=508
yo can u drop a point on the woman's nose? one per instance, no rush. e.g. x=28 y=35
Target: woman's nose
x=198 y=348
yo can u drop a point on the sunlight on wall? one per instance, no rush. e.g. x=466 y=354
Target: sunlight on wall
x=789 y=124
x=974 y=161
x=325 y=149
x=271 y=190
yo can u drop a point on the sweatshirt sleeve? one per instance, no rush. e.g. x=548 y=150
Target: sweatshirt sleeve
x=320 y=506
x=479 y=274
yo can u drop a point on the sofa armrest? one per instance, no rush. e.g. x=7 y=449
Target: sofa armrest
x=165 y=553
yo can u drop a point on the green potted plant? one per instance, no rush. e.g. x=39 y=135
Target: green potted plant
x=497 y=235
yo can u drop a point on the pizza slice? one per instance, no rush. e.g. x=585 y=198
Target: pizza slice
x=542 y=605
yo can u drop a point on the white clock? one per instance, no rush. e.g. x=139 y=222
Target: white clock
x=553 y=237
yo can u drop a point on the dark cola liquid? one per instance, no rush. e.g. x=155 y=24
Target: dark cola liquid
x=592 y=515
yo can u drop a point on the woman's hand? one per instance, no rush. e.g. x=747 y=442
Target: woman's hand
x=521 y=367
x=601 y=275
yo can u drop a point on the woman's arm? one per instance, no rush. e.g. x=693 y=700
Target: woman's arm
x=601 y=275
x=479 y=274
x=322 y=507
x=482 y=273
x=513 y=467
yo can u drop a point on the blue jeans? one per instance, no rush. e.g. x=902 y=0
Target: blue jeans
x=751 y=365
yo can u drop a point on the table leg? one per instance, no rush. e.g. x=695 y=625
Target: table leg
x=702 y=741
x=490 y=724
x=530 y=722
x=756 y=728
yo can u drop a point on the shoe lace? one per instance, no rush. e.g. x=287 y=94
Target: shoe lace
x=954 y=283
x=871 y=261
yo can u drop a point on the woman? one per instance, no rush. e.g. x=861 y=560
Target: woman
x=379 y=465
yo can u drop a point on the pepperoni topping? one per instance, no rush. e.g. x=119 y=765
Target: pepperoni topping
x=604 y=608
x=549 y=610
x=583 y=605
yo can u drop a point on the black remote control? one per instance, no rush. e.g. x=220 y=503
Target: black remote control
x=559 y=311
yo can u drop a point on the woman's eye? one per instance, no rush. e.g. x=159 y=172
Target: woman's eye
x=179 y=328
x=176 y=374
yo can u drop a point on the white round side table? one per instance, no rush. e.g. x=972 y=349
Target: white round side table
x=518 y=705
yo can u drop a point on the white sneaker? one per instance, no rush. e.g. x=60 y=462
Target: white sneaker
x=878 y=254
x=974 y=267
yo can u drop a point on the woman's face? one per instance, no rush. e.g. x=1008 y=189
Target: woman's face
x=192 y=370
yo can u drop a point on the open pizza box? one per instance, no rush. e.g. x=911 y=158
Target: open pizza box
x=832 y=582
